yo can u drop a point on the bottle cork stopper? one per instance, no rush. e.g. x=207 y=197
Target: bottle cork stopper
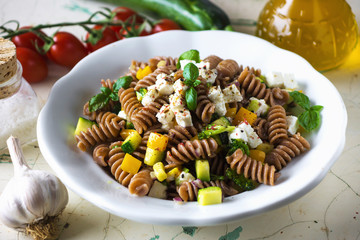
x=8 y=64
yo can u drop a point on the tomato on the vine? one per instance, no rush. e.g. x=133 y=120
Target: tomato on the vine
x=108 y=36
x=67 y=49
x=134 y=32
x=33 y=64
x=28 y=40
x=165 y=25
x=123 y=14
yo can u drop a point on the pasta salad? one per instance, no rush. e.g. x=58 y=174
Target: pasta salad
x=192 y=129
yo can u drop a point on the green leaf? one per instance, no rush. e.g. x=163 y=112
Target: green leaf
x=191 y=98
x=196 y=83
x=317 y=108
x=236 y=144
x=98 y=101
x=191 y=72
x=114 y=96
x=123 y=82
x=301 y=99
x=240 y=180
x=189 y=55
x=309 y=120
x=105 y=91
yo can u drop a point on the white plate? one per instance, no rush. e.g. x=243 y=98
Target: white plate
x=79 y=172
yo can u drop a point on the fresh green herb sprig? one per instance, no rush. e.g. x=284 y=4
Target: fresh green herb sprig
x=240 y=180
x=191 y=73
x=214 y=129
x=236 y=144
x=102 y=99
x=310 y=118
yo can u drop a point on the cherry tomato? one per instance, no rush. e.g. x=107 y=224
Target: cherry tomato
x=108 y=36
x=33 y=64
x=67 y=50
x=122 y=14
x=27 y=40
x=165 y=25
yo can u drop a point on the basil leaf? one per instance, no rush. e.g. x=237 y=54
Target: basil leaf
x=317 y=108
x=191 y=72
x=98 y=101
x=189 y=55
x=188 y=82
x=309 y=120
x=196 y=83
x=114 y=96
x=301 y=99
x=123 y=82
x=105 y=91
x=191 y=98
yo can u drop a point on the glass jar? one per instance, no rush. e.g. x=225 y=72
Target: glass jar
x=19 y=109
x=324 y=32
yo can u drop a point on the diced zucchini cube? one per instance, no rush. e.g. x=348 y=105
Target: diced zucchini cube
x=209 y=195
x=130 y=164
x=159 y=171
x=202 y=169
x=153 y=156
x=172 y=174
x=82 y=125
x=131 y=142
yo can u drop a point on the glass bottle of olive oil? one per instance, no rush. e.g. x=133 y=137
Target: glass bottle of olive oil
x=324 y=32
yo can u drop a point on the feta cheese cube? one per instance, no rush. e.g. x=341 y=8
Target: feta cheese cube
x=258 y=106
x=177 y=102
x=217 y=97
x=245 y=132
x=122 y=115
x=232 y=94
x=292 y=124
x=274 y=79
x=289 y=81
x=150 y=96
x=183 y=118
x=180 y=87
x=165 y=116
x=163 y=84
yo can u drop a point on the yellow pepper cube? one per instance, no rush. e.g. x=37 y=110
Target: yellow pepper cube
x=231 y=112
x=126 y=132
x=159 y=171
x=157 y=141
x=130 y=164
x=141 y=73
x=244 y=115
x=258 y=155
x=172 y=174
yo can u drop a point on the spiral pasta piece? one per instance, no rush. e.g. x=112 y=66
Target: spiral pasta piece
x=146 y=116
x=116 y=156
x=213 y=61
x=109 y=128
x=286 y=150
x=251 y=168
x=165 y=61
x=218 y=165
x=179 y=134
x=150 y=79
x=141 y=183
x=101 y=154
x=129 y=101
x=276 y=119
x=227 y=68
x=188 y=191
x=191 y=150
x=205 y=108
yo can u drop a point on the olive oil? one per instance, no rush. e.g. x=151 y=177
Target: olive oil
x=324 y=32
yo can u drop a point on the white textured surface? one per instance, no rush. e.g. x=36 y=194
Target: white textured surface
x=329 y=211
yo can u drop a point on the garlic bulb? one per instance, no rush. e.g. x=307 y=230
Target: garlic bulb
x=31 y=195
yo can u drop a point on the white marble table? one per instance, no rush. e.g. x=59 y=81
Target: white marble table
x=330 y=211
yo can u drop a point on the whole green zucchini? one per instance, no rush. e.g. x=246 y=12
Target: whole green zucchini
x=192 y=15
